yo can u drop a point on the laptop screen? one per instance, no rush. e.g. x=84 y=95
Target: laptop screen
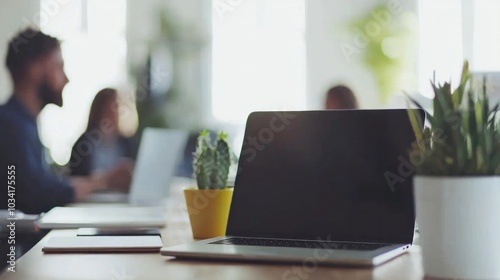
x=330 y=175
x=159 y=155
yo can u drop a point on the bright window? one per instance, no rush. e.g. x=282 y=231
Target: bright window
x=258 y=60
x=486 y=38
x=440 y=42
x=454 y=30
x=94 y=50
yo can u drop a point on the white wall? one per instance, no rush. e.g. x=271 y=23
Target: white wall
x=14 y=15
x=326 y=23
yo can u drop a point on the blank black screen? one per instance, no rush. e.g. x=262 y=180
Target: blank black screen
x=322 y=174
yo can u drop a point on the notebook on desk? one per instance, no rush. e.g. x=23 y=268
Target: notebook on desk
x=323 y=187
x=104 y=244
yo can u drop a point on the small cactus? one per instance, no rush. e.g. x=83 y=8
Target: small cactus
x=211 y=162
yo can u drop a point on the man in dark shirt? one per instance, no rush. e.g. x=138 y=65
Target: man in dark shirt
x=35 y=63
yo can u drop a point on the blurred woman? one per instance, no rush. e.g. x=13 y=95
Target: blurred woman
x=102 y=148
x=340 y=97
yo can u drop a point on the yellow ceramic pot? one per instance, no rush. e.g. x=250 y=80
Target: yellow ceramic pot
x=208 y=211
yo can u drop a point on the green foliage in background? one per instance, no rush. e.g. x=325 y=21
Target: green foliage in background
x=211 y=162
x=464 y=137
x=386 y=51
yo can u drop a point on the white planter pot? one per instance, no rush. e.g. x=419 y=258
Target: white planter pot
x=459 y=223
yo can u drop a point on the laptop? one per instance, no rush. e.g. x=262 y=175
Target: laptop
x=120 y=219
x=160 y=152
x=329 y=187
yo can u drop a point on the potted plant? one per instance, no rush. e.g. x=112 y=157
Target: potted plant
x=208 y=204
x=457 y=183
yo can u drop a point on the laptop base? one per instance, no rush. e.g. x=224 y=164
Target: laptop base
x=203 y=250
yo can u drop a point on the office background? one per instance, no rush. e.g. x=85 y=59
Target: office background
x=196 y=64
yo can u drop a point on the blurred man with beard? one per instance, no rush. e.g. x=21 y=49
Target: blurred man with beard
x=36 y=66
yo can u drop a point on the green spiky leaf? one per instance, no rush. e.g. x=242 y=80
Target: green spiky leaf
x=464 y=137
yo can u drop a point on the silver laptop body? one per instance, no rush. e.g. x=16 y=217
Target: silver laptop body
x=160 y=152
x=318 y=187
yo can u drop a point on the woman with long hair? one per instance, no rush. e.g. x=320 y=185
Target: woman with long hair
x=102 y=147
